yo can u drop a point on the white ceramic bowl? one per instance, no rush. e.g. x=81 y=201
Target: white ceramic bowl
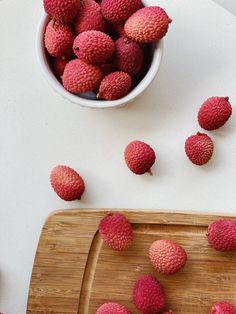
x=88 y=99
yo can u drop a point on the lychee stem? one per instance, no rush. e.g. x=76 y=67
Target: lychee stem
x=199 y=133
x=150 y=172
x=170 y=21
x=226 y=98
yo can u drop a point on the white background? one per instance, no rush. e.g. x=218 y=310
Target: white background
x=39 y=129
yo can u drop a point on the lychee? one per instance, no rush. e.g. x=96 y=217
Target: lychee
x=67 y=183
x=117 y=11
x=59 y=39
x=80 y=77
x=63 y=11
x=116 y=231
x=114 y=86
x=139 y=157
x=128 y=56
x=59 y=65
x=199 y=148
x=148 y=295
x=167 y=257
x=222 y=235
x=214 y=113
x=147 y=25
x=89 y=17
x=94 y=47
x=112 y=308
x=223 y=307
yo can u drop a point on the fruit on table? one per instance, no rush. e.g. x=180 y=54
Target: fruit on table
x=139 y=157
x=148 y=295
x=222 y=235
x=67 y=183
x=223 y=307
x=112 y=308
x=89 y=17
x=93 y=47
x=147 y=24
x=116 y=231
x=80 y=77
x=214 y=113
x=59 y=39
x=167 y=257
x=128 y=56
x=199 y=148
x=117 y=11
x=114 y=86
x=63 y=11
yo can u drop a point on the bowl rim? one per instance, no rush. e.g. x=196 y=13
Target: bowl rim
x=58 y=87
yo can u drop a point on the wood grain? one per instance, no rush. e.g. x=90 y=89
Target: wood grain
x=74 y=272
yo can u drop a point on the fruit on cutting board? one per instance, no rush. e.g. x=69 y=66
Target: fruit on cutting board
x=167 y=257
x=112 y=308
x=199 y=148
x=214 y=113
x=222 y=235
x=81 y=77
x=147 y=24
x=67 y=183
x=139 y=157
x=98 y=33
x=63 y=11
x=223 y=307
x=93 y=47
x=116 y=231
x=114 y=86
x=148 y=295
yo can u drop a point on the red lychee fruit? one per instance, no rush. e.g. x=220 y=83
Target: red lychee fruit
x=59 y=39
x=147 y=25
x=63 y=11
x=214 y=113
x=93 y=47
x=223 y=307
x=67 y=183
x=222 y=235
x=112 y=308
x=199 y=148
x=59 y=65
x=139 y=157
x=116 y=231
x=167 y=257
x=117 y=11
x=148 y=295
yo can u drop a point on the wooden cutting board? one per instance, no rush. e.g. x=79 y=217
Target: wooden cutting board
x=74 y=272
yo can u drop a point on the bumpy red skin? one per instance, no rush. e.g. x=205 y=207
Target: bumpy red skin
x=223 y=307
x=59 y=39
x=115 y=86
x=222 y=235
x=116 y=231
x=112 y=308
x=61 y=10
x=167 y=257
x=148 y=295
x=147 y=25
x=59 y=66
x=199 y=148
x=94 y=47
x=139 y=157
x=80 y=77
x=128 y=56
x=117 y=11
x=89 y=17
x=67 y=183
x=214 y=113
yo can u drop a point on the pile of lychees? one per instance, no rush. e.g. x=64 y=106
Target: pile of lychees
x=167 y=257
x=101 y=46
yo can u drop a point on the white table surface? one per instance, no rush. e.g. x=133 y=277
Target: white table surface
x=39 y=129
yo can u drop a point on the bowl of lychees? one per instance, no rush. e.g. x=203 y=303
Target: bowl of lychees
x=101 y=54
